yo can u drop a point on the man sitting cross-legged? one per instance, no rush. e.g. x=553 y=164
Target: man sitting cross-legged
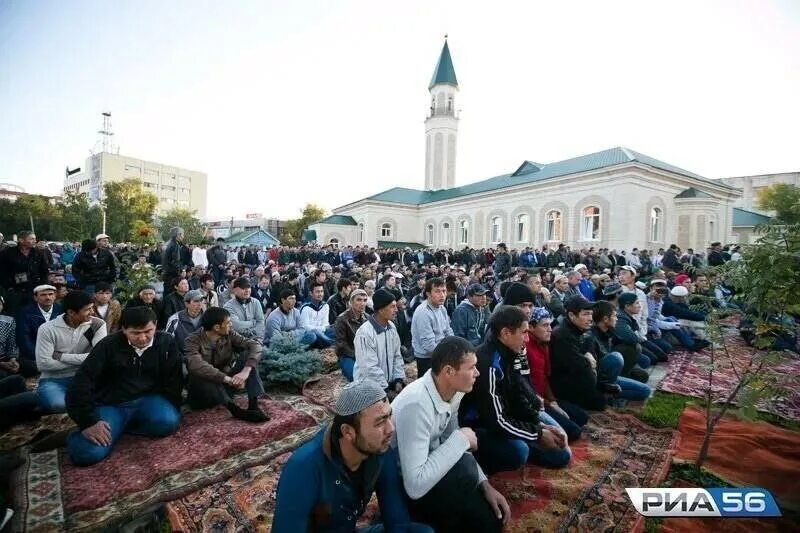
x=508 y=416
x=377 y=346
x=62 y=345
x=447 y=487
x=326 y=484
x=220 y=361
x=346 y=326
x=130 y=382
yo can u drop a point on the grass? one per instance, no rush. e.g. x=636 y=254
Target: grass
x=663 y=409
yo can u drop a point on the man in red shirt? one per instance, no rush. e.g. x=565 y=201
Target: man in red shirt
x=570 y=417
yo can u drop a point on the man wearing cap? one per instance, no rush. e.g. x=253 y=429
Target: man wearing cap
x=676 y=306
x=377 y=346
x=22 y=267
x=94 y=263
x=220 y=362
x=585 y=286
x=430 y=323
x=246 y=313
x=447 y=487
x=326 y=484
x=106 y=307
x=346 y=326
x=660 y=325
x=626 y=339
x=472 y=315
x=29 y=320
x=574 y=373
x=315 y=316
x=61 y=347
x=187 y=321
x=559 y=295
x=627 y=278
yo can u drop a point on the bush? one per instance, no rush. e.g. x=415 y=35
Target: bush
x=286 y=362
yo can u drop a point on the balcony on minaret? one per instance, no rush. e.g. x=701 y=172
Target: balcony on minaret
x=443 y=111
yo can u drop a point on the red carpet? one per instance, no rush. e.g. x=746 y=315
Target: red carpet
x=209 y=446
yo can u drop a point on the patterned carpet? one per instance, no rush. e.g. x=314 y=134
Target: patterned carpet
x=323 y=389
x=618 y=452
x=688 y=375
x=52 y=494
x=22 y=433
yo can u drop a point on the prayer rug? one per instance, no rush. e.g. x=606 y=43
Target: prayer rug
x=617 y=451
x=53 y=495
x=688 y=375
x=772 y=453
x=323 y=389
x=20 y=434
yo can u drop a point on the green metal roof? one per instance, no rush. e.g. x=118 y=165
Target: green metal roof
x=748 y=219
x=401 y=244
x=444 y=73
x=528 y=173
x=309 y=235
x=691 y=192
x=341 y=220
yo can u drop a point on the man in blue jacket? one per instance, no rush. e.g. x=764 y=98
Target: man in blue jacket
x=30 y=318
x=326 y=484
x=472 y=315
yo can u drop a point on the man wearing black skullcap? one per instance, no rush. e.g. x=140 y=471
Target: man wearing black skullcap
x=326 y=484
x=377 y=346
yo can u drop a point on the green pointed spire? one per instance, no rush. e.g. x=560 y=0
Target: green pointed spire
x=444 y=72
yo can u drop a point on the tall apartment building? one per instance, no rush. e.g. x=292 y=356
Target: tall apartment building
x=174 y=186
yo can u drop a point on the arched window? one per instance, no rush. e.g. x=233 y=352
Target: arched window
x=553 y=226
x=361 y=232
x=446 y=233
x=429 y=234
x=656 y=221
x=386 y=230
x=464 y=231
x=497 y=229
x=591 y=223
x=522 y=227
x=334 y=242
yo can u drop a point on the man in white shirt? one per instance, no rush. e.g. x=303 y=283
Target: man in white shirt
x=315 y=316
x=447 y=487
x=61 y=347
x=199 y=256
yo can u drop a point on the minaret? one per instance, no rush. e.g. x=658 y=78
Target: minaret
x=441 y=126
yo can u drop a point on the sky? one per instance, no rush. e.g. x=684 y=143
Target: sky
x=284 y=103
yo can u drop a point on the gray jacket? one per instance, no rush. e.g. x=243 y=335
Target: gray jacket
x=428 y=327
x=247 y=317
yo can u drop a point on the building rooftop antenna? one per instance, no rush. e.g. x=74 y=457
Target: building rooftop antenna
x=106 y=133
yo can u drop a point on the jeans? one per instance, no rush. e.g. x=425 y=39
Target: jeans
x=611 y=367
x=499 y=453
x=150 y=415
x=662 y=344
x=644 y=361
x=571 y=427
x=323 y=339
x=306 y=337
x=346 y=364
x=52 y=394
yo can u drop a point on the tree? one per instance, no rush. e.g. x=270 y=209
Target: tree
x=782 y=198
x=767 y=278
x=194 y=232
x=142 y=233
x=125 y=202
x=79 y=220
x=294 y=228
